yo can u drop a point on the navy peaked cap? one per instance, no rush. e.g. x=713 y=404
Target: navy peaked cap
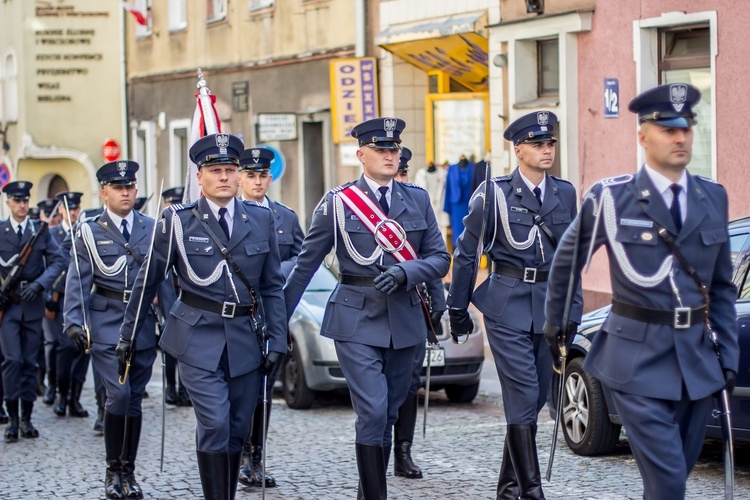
x=73 y=197
x=669 y=105
x=118 y=172
x=380 y=133
x=46 y=206
x=173 y=195
x=216 y=149
x=534 y=127
x=403 y=161
x=139 y=202
x=256 y=159
x=19 y=190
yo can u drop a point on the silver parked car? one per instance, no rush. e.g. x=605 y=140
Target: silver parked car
x=312 y=365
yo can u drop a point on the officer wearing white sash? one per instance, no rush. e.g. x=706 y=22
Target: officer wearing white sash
x=529 y=210
x=653 y=350
x=374 y=315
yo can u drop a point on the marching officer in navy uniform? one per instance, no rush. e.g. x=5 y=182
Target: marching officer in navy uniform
x=176 y=393
x=653 y=350
x=72 y=364
x=47 y=350
x=111 y=248
x=529 y=210
x=23 y=306
x=374 y=315
x=255 y=179
x=403 y=429
x=224 y=254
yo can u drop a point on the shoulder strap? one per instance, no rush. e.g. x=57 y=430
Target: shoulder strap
x=540 y=223
x=127 y=247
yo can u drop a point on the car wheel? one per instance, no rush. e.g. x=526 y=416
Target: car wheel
x=462 y=393
x=585 y=420
x=296 y=392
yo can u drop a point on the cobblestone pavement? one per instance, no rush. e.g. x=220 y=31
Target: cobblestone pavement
x=311 y=455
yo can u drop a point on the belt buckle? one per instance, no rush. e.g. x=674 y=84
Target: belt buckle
x=682 y=317
x=225 y=305
x=126 y=296
x=526 y=272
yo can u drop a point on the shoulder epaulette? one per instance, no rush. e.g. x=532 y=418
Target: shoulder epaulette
x=412 y=185
x=283 y=206
x=250 y=203
x=614 y=181
x=561 y=179
x=502 y=178
x=341 y=187
x=181 y=206
x=707 y=179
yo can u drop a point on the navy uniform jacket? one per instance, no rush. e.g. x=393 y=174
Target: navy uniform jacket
x=58 y=285
x=289 y=235
x=45 y=251
x=104 y=314
x=649 y=359
x=198 y=337
x=510 y=301
x=362 y=314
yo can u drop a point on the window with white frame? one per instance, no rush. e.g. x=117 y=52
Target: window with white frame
x=178 y=151
x=10 y=87
x=216 y=10
x=144 y=7
x=682 y=47
x=259 y=4
x=177 y=15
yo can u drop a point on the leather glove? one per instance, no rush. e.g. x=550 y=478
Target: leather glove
x=272 y=364
x=460 y=323
x=31 y=291
x=52 y=305
x=125 y=349
x=78 y=337
x=554 y=336
x=391 y=280
x=5 y=302
x=730 y=377
x=437 y=323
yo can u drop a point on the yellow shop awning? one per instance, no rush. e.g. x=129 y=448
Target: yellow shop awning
x=453 y=44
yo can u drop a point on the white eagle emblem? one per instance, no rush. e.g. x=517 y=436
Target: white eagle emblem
x=256 y=155
x=122 y=168
x=21 y=185
x=222 y=141
x=678 y=95
x=542 y=118
x=389 y=125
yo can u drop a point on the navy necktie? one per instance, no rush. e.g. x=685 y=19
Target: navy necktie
x=125 y=232
x=223 y=221
x=538 y=194
x=19 y=233
x=383 y=200
x=674 y=209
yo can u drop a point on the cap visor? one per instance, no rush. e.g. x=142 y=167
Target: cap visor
x=679 y=122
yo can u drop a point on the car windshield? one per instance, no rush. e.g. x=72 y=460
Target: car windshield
x=322 y=281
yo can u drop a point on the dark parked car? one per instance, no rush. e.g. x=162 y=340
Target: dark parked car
x=313 y=367
x=589 y=421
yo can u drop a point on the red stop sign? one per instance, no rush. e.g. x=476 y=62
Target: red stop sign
x=110 y=150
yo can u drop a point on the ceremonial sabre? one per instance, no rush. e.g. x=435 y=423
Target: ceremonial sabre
x=726 y=426
x=133 y=335
x=563 y=347
x=85 y=322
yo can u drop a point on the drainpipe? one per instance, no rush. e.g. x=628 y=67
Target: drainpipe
x=360 y=28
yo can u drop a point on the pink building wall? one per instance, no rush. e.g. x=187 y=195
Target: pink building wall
x=608 y=147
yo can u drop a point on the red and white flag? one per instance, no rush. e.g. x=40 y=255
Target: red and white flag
x=140 y=18
x=205 y=121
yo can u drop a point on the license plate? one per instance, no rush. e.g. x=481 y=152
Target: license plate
x=437 y=357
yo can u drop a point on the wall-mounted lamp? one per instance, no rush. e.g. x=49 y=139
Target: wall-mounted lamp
x=535 y=6
x=500 y=60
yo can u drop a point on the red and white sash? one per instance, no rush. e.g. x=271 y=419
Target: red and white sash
x=385 y=230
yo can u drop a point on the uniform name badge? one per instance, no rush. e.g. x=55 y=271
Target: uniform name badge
x=388 y=233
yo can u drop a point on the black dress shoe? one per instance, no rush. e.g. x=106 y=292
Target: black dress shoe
x=11 y=432
x=130 y=487
x=183 y=398
x=170 y=395
x=75 y=408
x=403 y=465
x=27 y=429
x=49 y=396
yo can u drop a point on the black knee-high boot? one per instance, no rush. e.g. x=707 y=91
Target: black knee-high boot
x=403 y=434
x=521 y=441
x=371 y=467
x=114 y=434
x=507 y=486
x=214 y=472
x=130 y=487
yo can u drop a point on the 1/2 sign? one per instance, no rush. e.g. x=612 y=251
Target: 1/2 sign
x=611 y=98
x=110 y=150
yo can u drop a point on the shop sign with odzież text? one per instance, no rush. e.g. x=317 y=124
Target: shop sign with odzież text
x=354 y=95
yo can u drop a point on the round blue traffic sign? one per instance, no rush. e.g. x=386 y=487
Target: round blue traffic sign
x=278 y=165
x=4 y=174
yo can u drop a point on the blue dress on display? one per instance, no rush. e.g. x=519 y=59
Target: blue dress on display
x=457 y=194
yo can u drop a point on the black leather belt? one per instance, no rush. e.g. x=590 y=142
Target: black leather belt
x=680 y=318
x=353 y=279
x=111 y=293
x=226 y=309
x=527 y=274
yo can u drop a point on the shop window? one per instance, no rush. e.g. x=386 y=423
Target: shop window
x=548 y=68
x=177 y=15
x=216 y=10
x=685 y=56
